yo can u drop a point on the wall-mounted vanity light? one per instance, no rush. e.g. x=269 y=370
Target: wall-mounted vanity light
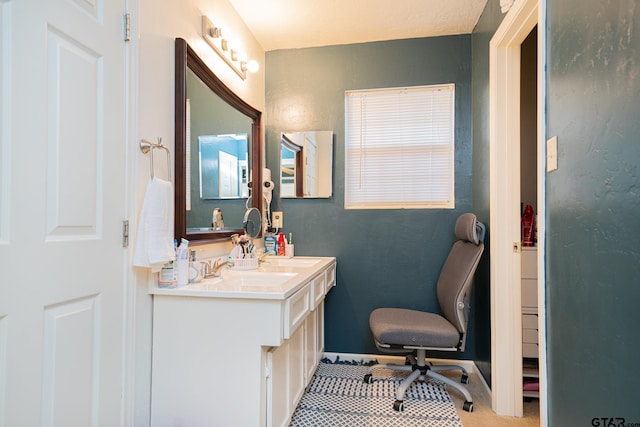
x=227 y=49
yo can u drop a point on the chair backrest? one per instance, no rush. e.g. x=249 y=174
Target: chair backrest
x=454 y=283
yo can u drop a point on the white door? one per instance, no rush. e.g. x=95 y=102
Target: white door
x=63 y=144
x=227 y=175
x=310 y=167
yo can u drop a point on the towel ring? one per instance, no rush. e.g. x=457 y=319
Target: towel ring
x=148 y=146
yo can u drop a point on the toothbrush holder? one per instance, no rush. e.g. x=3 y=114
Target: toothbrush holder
x=288 y=250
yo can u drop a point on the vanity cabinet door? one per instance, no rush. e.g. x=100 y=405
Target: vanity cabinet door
x=311 y=345
x=286 y=384
x=296 y=368
x=278 y=386
x=320 y=330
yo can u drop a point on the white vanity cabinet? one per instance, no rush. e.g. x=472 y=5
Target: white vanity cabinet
x=237 y=357
x=291 y=367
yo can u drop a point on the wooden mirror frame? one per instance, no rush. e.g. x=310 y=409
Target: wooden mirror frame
x=298 y=164
x=185 y=57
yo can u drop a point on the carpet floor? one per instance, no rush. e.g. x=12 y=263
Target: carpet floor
x=338 y=396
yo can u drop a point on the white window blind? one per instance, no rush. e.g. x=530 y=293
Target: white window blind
x=399 y=148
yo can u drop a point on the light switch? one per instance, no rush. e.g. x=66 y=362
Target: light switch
x=552 y=154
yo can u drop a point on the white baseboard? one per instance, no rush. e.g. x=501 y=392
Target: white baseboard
x=469 y=365
x=484 y=383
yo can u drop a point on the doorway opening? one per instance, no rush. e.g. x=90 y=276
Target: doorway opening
x=515 y=120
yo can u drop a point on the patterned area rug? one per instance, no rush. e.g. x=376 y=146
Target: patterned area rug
x=338 y=396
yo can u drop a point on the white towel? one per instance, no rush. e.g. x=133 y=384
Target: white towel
x=155 y=244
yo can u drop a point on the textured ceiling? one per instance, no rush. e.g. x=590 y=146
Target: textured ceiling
x=287 y=24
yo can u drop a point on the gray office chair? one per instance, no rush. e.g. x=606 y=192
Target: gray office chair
x=404 y=331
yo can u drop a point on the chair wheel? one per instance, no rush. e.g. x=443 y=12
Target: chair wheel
x=468 y=406
x=464 y=379
x=398 y=405
x=368 y=379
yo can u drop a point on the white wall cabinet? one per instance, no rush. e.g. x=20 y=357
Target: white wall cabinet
x=237 y=361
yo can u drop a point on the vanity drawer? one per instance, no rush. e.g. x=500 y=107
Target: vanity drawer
x=530 y=336
x=529 y=321
x=318 y=290
x=529 y=350
x=296 y=308
x=529 y=263
x=330 y=278
x=529 y=294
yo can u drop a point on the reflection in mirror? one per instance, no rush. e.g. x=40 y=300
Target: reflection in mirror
x=223 y=166
x=306 y=161
x=218 y=133
x=217 y=149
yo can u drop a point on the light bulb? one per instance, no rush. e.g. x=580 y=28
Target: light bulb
x=253 y=66
x=233 y=43
x=216 y=32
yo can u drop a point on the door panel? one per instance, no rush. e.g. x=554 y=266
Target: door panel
x=71 y=337
x=74 y=118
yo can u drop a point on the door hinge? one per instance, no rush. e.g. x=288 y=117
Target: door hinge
x=126 y=27
x=125 y=233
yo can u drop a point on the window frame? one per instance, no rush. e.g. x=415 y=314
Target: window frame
x=417 y=148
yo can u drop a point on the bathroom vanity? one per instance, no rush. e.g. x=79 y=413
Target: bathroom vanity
x=239 y=350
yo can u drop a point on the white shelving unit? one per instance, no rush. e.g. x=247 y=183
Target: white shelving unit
x=529 y=284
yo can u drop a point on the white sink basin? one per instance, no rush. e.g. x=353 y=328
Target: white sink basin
x=234 y=278
x=256 y=277
x=293 y=262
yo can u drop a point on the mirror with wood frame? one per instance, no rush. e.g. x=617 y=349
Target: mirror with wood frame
x=306 y=164
x=206 y=112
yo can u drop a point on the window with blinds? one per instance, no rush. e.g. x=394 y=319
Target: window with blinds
x=399 y=148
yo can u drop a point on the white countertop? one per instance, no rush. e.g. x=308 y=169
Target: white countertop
x=277 y=278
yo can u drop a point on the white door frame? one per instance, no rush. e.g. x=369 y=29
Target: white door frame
x=506 y=321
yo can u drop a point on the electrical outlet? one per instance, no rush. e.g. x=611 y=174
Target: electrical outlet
x=277 y=221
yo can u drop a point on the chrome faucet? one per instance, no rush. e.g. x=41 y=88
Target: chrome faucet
x=214 y=270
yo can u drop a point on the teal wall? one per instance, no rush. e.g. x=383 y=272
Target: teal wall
x=593 y=207
x=593 y=232
x=483 y=32
x=385 y=257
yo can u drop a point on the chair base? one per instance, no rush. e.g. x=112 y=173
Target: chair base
x=419 y=371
